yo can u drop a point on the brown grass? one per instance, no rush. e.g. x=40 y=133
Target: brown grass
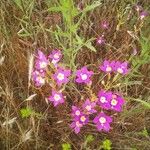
x=52 y=129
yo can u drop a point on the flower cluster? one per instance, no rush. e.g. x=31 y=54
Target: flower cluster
x=106 y=100
x=81 y=116
x=60 y=76
x=110 y=100
x=114 y=66
x=41 y=63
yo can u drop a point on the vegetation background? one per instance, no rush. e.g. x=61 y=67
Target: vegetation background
x=27 y=121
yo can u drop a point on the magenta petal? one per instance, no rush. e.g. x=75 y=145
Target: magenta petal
x=96 y=119
x=72 y=125
x=77 y=130
x=106 y=127
x=99 y=127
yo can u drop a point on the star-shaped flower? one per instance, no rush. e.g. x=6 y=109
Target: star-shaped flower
x=102 y=122
x=76 y=112
x=116 y=102
x=104 y=99
x=41 y=61
x=61 y=76
x=107 y=66
x=88 y=106
x=56 y=97
x=55 y=56
x=83 y=75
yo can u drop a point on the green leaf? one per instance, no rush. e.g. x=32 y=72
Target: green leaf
x=26 y=112
x=55 y=8
x=89 y=46
x=143 y=102
x=18 y=3
x=89 y=138
x=144 y=132
x=79 y=40
x=66 y=146
x=107 y=144
x=92 y=6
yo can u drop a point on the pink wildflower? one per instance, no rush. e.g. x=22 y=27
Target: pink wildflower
x=61 y=76
x=102 y=122
x=55 y=56
x=41 y=61
x=56 y=97
x=104 y=99
x=88 y=106
x=83 y=75
x=107 y=66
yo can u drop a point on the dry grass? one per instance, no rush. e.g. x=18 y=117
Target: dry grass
x=50 y=129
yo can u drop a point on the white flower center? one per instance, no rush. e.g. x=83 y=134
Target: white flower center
x=41 y=80
x=54 y=61
x=43 y=64
x=77 y=112
x=108 y=68
x=120 y=70
x=102 y=120
x=84 y=76
x=60 y=76
x=56 y=56
x=82 y=118
x=88 y=107
x=114 y=102
x=57 y=97
x=100 y=40
x=103 y=99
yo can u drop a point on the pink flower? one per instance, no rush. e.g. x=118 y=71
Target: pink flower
x=56 y=97
x=83 y=119
x=83 y=75
x=101 y=40
x=102 y=122
x=41 y=61
x=55 y=56
x=121 y=67
x=88 y=106
x=38 y=76
x=61 y=76
x=104 y=99
x=116 y=102
x=76 y=125
x=78 y=122
x=76 y=112
x=105 y=24
x=143 y=14
x=107 y=66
